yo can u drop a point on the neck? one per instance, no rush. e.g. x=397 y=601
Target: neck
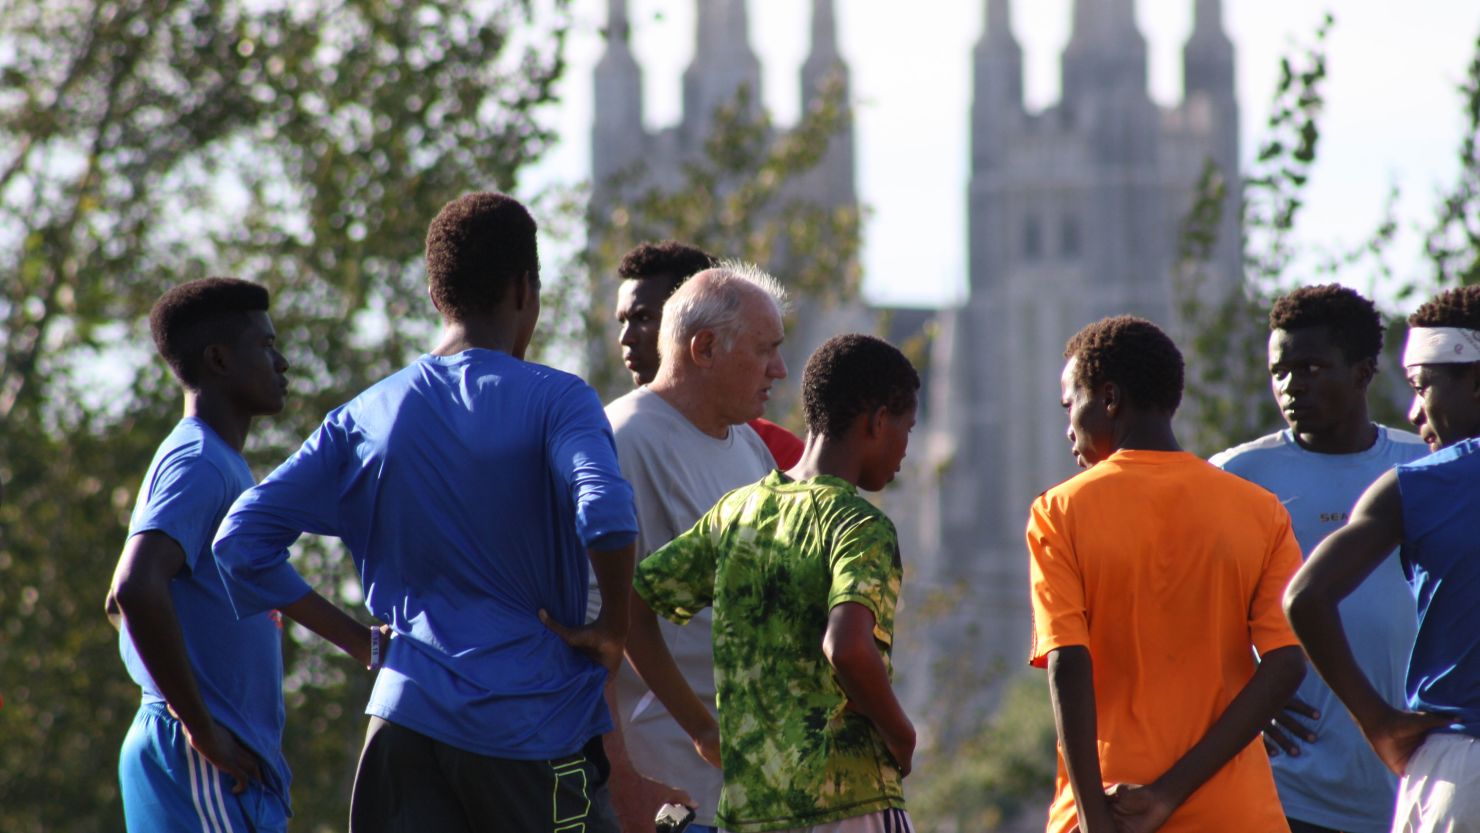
x=495 y=331
x=1352 y=436
x=1146 y=433
x=823 y=456
x=691 y=400
x=229 y=424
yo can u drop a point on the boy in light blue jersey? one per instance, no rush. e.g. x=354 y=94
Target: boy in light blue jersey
x=1431 y=508
x=474 y=491
x=1323 y=348
x=204 y=752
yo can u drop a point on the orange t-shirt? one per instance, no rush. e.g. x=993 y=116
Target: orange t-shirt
x=1168 y=570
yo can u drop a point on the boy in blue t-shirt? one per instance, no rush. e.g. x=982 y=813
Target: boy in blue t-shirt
x=1323 y=348
x=1431 y=508
x=475 y=492
x=212 y=686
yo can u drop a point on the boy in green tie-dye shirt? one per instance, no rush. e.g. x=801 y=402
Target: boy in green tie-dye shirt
x=803 y=575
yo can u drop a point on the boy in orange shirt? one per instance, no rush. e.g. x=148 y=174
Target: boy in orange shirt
x=1153 y=573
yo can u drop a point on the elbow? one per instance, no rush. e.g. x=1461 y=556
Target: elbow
x=132 y=592
x=842 y=654
x=1286 y=666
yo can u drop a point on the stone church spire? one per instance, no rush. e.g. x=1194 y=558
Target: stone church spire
x=1106 y=53
x=1208 y=56
x=823 y=58
x=617 y=133
x=723 y=63
x=997 y=76
x=831 y=182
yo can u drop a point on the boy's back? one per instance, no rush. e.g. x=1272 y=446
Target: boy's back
x=463 y=486
x=773 y=559
x=1167 y=570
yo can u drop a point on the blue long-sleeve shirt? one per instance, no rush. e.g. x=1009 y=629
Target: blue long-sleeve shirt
x=467 y=489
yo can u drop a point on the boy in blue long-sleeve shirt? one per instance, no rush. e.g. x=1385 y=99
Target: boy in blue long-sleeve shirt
x=470 y=488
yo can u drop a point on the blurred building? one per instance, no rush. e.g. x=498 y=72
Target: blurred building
x=627 y=157
x=1073 y=214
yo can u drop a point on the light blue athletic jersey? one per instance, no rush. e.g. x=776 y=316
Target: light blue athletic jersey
x=467 y=489
x=1338 y=781
x=238 y=665
x=1441 y=552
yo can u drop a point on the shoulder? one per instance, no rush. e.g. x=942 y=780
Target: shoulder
x=1402 y=446
x=749 y=442
x=635 y=411
x=194 y=453
x=1252 y=451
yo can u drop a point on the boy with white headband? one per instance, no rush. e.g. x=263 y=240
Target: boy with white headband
x=1431 y=507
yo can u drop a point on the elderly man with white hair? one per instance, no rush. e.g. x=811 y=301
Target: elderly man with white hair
x=682 y=443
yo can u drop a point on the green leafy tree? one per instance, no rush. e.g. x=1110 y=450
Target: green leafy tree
x=1224 y=332
x=146 y=142
x=1228 y=397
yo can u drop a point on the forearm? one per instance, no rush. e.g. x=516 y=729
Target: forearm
x=148 y=611
x=865 y=680
x=1274 y=682
x=1071 y=690
x=1315 y=617
x=651 y=659
x=613 y=571
x=326 y=619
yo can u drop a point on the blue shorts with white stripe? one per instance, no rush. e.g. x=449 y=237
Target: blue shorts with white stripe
x=168 y=786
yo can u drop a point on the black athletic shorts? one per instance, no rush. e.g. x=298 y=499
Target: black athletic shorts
x=409 y=783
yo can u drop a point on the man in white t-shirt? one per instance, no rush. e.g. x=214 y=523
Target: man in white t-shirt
x=682 y=443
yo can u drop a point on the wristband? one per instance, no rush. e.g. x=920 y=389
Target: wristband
x=375 y=661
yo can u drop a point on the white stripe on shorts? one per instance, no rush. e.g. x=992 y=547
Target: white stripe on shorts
x=205 y=781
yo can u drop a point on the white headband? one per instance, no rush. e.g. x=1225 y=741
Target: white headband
x=1441 y=345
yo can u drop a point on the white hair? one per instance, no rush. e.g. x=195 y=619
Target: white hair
x=712 y=300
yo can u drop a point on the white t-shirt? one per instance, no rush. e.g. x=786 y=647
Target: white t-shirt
x=677 y=473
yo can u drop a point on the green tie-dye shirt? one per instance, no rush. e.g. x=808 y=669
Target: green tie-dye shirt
x=773 y=558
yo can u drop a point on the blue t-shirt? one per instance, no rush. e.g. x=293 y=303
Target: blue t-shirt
x=467 y=489
x=1338 y=781
x=238 y=665
x=1441 y=554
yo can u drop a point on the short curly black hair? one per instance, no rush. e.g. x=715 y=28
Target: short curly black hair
x=668 y=259
x=1351 y=319
x=1134 y=354
x=194 y=315
x=477 y=247
x=854 y=374
x=1458 y=307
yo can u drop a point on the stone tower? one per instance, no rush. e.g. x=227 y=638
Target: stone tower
x=1073 y=214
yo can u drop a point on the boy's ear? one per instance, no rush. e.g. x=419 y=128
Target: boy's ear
x=875 y=421
x=1366 y=372
x=1111 y=395
x=215 y=360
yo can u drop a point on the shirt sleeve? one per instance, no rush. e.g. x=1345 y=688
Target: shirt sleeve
x=583 y=456
x=1268 y=627
x=866 y=569
x=677 y=581
x=302 y=495
x=186 y=500
x=1060 y=617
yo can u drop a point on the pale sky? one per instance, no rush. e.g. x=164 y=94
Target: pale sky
x=1393 y=111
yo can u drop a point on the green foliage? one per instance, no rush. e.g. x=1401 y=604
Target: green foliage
x=739 y=200
x=1453 y=245
x=992 y=778
x=145 y=142
x=1225 y=335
